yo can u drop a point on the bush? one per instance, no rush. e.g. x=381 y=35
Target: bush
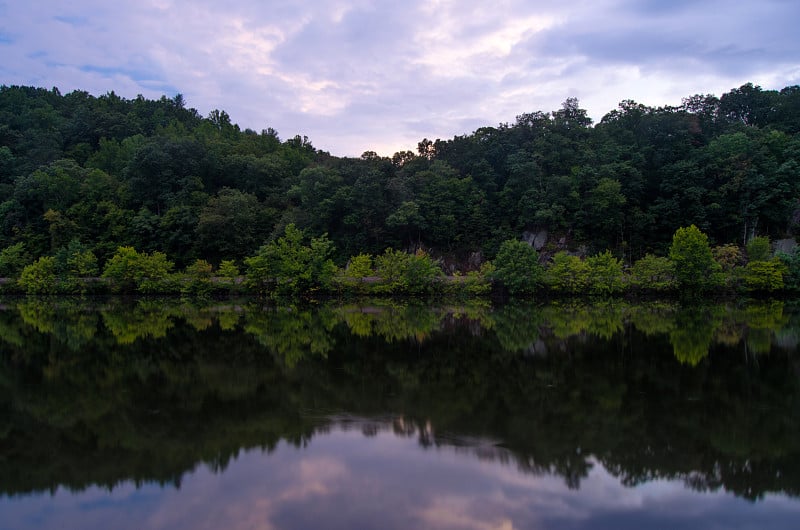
x=605 y=274
x=288 y=267
x=766 y=276
x=758 y=249
x=728 y=256
x=228 y=270
x=653 y=273
x=358 y=268
x=198 y=279
x=477 y=283
x=390 y=267
x=131 y=270
x=517 y=267
x=40 y=277
x=695 y=268
x=407 y=273
x=422 y=274
x=75 y=263
x=567 y=274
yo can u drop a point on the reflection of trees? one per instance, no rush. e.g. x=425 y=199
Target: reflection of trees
x=292 y=334
x=67 y=322
x=391 y=321
x=603 y=320
x=653 y=318
x=763 y=319
x=517 y=327
x=151 y=409
x=693 y=333
x=146 y=319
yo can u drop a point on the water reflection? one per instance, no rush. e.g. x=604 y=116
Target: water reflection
x=113 y=393
x=343 y=479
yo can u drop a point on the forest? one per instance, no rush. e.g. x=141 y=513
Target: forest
x=85 y=180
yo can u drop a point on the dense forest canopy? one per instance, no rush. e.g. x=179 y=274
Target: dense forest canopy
x=155 y=175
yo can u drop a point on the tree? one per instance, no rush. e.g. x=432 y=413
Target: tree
x=605 y=273
x=140 y=271
x=358 y=268
x=390 y=268
x=40 y=276
x=75 y=263
x=13 y=259
x=605 y=214
x=198 y=279
x=422 y=273
x=567 y=274
x=766 y=276
x=695 y=268
x=653 y=273
x=517 y=267
x=758 y=249
x=287 y=267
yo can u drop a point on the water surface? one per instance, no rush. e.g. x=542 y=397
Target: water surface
x=159 y=414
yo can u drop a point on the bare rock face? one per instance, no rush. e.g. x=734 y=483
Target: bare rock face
x=785 y=246
x=475 y=261
x=535 y=239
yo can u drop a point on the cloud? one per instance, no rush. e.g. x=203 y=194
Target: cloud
x=359 y=75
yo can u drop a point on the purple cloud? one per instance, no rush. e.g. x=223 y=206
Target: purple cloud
x=359 y=75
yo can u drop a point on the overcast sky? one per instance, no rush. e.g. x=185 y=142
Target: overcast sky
x=357 y=75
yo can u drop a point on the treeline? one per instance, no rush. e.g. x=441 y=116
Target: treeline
x=293 y=266
x=107 y=172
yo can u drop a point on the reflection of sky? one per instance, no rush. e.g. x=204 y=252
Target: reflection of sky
x=345 y=480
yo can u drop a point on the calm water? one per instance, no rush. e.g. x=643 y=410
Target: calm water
x=157 y=414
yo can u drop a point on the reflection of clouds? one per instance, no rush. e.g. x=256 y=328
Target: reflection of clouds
x=344 y=479
x=461 y=512
x=316 y=477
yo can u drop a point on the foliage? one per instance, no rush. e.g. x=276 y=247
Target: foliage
x=13 y=259
x=198 y=279
x=287 y=267
x=390 y=267
x=758 y=249
x=766 y=276
x=400 y=272
x=653 y=273
x=605 y=274
x=76 y=265
x=421 y=274
x=360 y=267
x=728 y=256
x=40 y=276
x=695 y=268
x=156 y=176
x=228 y=269
x=567 y=274
x=477 y=283
x=792 y=274
x=131 y=270
x=228 y=273
x=517 y=267
x=69 y=271
x=354 y=275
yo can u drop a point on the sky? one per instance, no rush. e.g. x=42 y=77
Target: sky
x=359 y=75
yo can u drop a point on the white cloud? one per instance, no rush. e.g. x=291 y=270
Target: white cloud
x=364 y=75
